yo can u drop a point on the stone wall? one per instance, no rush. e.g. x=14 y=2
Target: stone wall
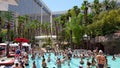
x=110 y=42
x=112 y=47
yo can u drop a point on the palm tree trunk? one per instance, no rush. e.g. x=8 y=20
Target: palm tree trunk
x=56 y=32
x=0 y=24
x=8 y=37
x=86 y=17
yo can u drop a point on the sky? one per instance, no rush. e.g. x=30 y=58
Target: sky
x=62 y=5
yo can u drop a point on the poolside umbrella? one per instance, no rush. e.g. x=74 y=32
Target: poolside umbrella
x=3 y=44
x=25 y=44
x=21 y=40
x=14 y=44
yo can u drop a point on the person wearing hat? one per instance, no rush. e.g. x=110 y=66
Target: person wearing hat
x=100 y=59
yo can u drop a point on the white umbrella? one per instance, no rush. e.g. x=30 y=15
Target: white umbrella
x=14 y=44
x=11 y=2
x=25 y=44
x=3 y=44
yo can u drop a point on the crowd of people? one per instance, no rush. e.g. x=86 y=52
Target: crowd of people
x=94 y=59
x=99 y=60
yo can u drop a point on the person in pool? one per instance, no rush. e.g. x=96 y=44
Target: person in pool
x=62 y=61
x=16 y=65
x=113 y=58
x=88 y=64
x=58 y=63
x=93 y=61
x=69 y=60
x=100 y=59
x=44 y=65
x=48 y=59
x=81 y=61
x=34 y=66
x=106 y=63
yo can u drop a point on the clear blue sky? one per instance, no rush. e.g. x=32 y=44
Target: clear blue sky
x=61 y=5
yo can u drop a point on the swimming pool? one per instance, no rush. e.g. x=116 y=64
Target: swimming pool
x=74 y=63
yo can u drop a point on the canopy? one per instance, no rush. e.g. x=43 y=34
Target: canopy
x=3 y=44
x=25 y=44
x=14 y=44
x=21 y=40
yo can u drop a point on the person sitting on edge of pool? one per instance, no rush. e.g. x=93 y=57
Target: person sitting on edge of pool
x=113 y=58
x=100 y=59
x=44 y=65
x=81 y=61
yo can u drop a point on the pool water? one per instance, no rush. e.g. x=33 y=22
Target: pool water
x=74 y=63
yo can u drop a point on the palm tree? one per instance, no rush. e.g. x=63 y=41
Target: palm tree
x=109 y=4
x=0 y=24
x=96 y=6
x=85 y=7
x=56 y=20
x=21 y=20
x=9 y=17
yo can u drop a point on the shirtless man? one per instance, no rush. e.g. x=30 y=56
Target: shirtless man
x=58 y=63
x=100 y=59
x=34 y=66
x=16 y=65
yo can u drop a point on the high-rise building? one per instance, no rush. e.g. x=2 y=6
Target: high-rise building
x=36 y=9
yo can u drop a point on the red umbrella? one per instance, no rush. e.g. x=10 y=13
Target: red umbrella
x=21 y=40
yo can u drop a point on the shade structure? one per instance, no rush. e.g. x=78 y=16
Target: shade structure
x=25 y=44
x=3 y=44
x=14 y=44
x=11 y=2
x=21 y=40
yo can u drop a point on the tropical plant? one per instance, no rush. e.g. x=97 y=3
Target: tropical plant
x=105 y=23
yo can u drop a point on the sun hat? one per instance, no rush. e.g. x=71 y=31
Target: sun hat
x=100 y=51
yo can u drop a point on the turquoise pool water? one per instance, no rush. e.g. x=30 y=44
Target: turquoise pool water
x=74 y=63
